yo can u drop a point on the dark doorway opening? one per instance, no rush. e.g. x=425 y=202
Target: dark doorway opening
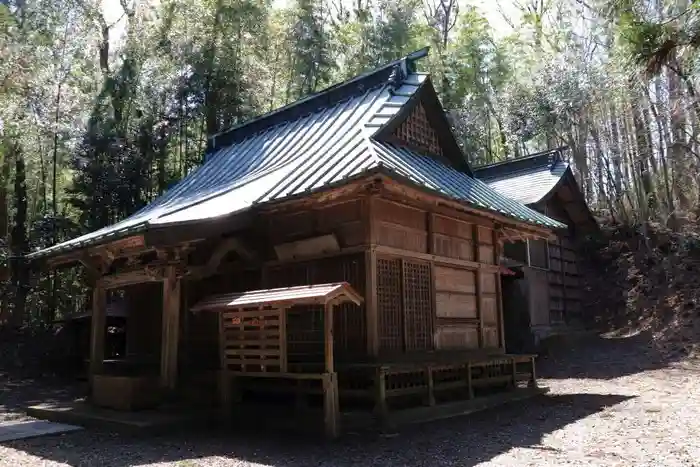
x=516 y=315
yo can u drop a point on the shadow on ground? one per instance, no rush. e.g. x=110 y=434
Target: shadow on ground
x=462 y=441
x=601 y=356
x=16 y=394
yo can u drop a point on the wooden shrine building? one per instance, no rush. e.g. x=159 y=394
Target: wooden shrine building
x=550 y=287
x=334 y=256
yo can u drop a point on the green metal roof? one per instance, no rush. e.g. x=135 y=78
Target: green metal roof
x=319 y=141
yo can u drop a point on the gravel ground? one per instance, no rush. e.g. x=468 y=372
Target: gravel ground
x=613 y=402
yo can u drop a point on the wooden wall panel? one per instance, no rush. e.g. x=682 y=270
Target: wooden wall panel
x=399 y=214
x=489 y=310
x=486 y=254
x=452 y=247
x=491 y=340
x=455 y=280
x=336 y=215
x=457 y=336
x=397 y=236
x=455 y=305
x=452 y=227
x=293 y=225
x=488 y=283
x=351 y=234
x=350 y=329
x=485 y=235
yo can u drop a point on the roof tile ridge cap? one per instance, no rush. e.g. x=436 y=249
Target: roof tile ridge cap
x=368 y=135
x=416 y=55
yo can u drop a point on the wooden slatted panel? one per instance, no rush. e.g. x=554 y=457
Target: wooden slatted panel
x=418 y=314
x=389 y=304
x=417 y=131
x=251 y=340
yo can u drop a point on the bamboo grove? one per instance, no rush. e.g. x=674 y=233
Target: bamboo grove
x=105 y=104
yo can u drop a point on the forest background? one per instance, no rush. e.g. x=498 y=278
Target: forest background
x=104 y=104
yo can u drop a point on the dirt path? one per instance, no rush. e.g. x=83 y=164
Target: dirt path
x=613 y=403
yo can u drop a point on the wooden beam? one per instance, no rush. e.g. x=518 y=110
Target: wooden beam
x=126 y=278
x=170 y=329
x=98 y=325
x=438 y=260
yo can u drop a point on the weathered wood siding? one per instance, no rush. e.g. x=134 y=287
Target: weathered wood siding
x=344 y=219
x=438 y=288
x=563 y=277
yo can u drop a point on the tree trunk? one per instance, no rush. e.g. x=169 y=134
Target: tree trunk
x=4 y=229
x=19 y=244
x=676 y=152
x=662 y=130
x=616 y=151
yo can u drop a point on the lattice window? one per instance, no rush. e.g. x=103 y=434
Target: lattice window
x=418 y=311
x=417 y=131
x=389 y=304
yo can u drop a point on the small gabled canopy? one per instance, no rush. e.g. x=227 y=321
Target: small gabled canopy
x=317 y=294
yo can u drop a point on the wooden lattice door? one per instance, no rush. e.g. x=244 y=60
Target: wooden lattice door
x=389 y=304
x=418 y=310
x=404 y=305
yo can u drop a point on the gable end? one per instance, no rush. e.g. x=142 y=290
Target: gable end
x=417 y=132
x=422 y=125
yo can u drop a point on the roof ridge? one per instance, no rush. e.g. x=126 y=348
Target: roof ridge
x=535 y=155
x=226 y=137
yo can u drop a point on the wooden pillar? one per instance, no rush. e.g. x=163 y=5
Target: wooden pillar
x=477 y=284
x=330 y=381
x=328 y=337
x=283 y=340
x=331 y=414
x=98 y=327
x=499 y=291
x=381 y=409
x=170 y=329
x=371 y=311
x=224 y=377
x=431 y=386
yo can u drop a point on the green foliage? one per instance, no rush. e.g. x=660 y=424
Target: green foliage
x=120 y=107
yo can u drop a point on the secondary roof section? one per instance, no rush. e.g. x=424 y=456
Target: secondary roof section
x=528 y=179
